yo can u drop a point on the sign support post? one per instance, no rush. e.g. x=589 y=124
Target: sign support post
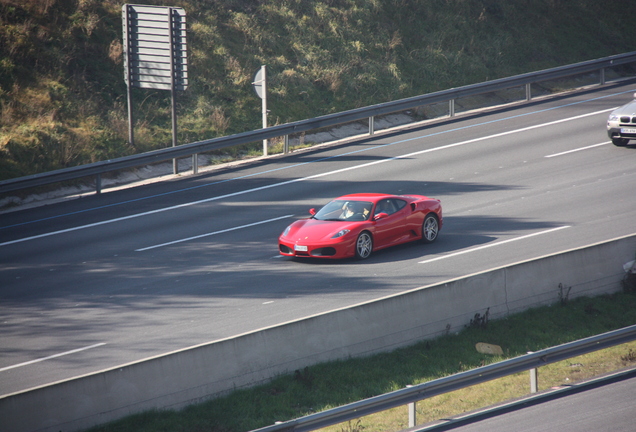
x=260 y=87
x=131 y=137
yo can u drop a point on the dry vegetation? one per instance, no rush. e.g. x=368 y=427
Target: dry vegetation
x=63 y=97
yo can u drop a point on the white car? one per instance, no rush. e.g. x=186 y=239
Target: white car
x=621 y=125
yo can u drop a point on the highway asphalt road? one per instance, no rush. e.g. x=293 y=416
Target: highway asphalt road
x=599 y=406
x=101 y=281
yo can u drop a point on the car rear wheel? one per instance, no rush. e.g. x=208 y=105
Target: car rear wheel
x=620 y=142
x=430 y=228
x=364 y=245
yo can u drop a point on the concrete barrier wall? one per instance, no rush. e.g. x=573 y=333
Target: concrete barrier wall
x=210 y=370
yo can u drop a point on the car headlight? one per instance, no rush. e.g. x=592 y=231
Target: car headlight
x=613 y=118
x=286 y=231
x=340 y=233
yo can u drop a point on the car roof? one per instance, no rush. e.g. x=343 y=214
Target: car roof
x=374 y=197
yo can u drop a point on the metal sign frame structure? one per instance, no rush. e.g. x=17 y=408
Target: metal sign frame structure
x=155 y=55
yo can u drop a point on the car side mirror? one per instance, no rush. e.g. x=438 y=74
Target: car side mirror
x=312 y=211
x=380 y=216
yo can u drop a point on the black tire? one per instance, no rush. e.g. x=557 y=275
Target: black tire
x=430 y=228
x=620 y=142
x=364 y=245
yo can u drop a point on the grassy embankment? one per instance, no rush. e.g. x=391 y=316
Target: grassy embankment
x=334 y=384
x=63 y=97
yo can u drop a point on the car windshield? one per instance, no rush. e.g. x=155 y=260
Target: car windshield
x=345 y=210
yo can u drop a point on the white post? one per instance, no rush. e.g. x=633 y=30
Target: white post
x=412 y=412
x=534 y=379
x=264 y=100
x=260 y=87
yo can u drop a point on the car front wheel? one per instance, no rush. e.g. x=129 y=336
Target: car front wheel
x=430 y=228
x=364 y=245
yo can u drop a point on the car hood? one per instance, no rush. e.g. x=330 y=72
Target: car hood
x=316 y=230
x=628 y=109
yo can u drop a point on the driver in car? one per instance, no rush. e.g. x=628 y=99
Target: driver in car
x=354 y=211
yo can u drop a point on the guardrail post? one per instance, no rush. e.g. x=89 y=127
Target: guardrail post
x=602 y=74
x=286 y=144
x=534 y=379
x=412 y=412
x=371 y=125
x=195 y=163
x=451 y=108
x=528 y=91
x=98 y=184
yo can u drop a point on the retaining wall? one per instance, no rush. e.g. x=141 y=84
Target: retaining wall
x=209 y=370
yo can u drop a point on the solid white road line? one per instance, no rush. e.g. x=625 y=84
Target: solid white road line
x=493 y=244
x=577 y=149
x=51 y=357
x=315 y=176
x=212 y=233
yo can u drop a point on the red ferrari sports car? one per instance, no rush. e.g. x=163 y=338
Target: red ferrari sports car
x=358 y=224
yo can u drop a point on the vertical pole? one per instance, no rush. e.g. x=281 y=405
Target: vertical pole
x=98 y=184
x=534 y=379
x=129 y=84
x=286 y=144
x=371 y=125
x=412 y=418
x=131 y=138
x=171 y=23
x=264 y=104
x=528 y=91
x=451 y=108
x=602 y=73
x=195 y=163
x=412 y=412
x=175 y=165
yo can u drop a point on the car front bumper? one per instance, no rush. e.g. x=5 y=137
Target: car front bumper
x=617 y=131
x=333 y=250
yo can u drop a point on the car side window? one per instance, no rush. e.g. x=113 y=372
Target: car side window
x=398 y=204
x=389 y=206
x=384 y=206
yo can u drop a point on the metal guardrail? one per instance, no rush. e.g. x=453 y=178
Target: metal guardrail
x=454 y=382
x=192 y=149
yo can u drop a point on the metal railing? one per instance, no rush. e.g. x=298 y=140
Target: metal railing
x=454 y=382
x=193 y=149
